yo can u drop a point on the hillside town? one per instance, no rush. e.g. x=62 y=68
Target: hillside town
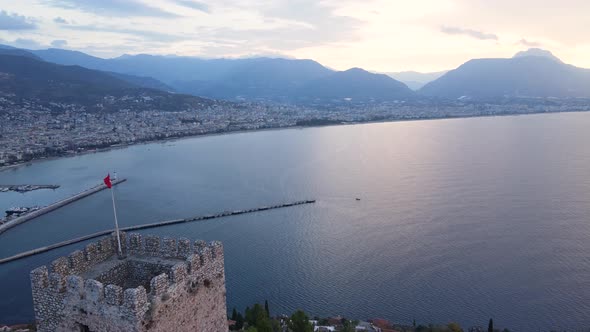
x=32 y=130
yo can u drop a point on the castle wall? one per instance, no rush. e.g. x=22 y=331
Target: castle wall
x=163 y=285
x=48 y=285
x=196 y=302
x=132 y=273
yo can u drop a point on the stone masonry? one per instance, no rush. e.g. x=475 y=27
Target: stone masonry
x=161 y=285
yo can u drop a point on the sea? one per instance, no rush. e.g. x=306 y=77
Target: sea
x=456 y=220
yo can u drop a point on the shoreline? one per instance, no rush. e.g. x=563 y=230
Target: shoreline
x=244 y=131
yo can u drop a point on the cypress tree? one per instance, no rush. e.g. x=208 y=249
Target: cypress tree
x=257 y=314
x=248 y=317
x=266 y=308
x=234 y=314
x=491 y=326
x=239 y=321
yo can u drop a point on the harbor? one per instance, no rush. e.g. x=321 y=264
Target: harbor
x=36 y=212
x=151 y=225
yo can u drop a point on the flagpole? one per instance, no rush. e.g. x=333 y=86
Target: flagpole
x=116 y=223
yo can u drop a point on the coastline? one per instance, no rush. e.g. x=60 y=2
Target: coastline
x=243 y=131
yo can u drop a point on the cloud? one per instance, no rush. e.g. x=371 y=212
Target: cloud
x=194 y=5
x=321 y=18
x=60 y=20
x=468 y=32
x=24 y=43
x=278 y=39
x=287 y=25
x=528 y=43
x=123 y=8
x=60 y=43
x=562 y=21
x=144 y=34
x=15 y=22
x=278 y=26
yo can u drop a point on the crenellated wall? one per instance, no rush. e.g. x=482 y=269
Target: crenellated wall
x=162 y=285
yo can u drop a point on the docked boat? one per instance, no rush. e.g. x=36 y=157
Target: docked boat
x=18 y=211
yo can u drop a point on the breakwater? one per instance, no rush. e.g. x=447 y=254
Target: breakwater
x=54 y=206
x=151 y=225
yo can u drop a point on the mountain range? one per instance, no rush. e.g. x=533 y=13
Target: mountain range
x=274 y=79
x=532 y=73
x=24 y=77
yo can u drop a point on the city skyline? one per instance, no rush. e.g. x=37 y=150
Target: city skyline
x=383 y=36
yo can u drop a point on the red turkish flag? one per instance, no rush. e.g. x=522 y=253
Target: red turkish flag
x=107 y=181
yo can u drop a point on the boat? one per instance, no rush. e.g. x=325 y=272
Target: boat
x=16 y=210
x=358 y=199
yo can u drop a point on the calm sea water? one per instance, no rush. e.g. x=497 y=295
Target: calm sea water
x=460 y=220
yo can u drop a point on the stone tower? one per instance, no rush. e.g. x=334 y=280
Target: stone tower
x=161 y=285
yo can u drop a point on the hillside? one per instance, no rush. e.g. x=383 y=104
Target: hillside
x=67 y=57
x=355 y=84
x=260 y=78
x=18 y=52
x=142 y=81
x=24 y=78
x=522 y=76
x=263 y=79
x=532 y=73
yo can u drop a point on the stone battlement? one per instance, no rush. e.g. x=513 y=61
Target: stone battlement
x=94 y=290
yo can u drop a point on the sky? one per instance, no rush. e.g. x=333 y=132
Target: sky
x=378 y=35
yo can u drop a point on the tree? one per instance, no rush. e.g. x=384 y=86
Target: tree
x=422 y=328
x=264 y=325
x=454 y=327
x=248 y=318
x=234 y=317
x=347 y=326
x=251 y=329
x=257 y=315
x=234 y=314
x=276 y=326
x=300 y=322
x=239 y=321
x=266 y=308
x=491 y=326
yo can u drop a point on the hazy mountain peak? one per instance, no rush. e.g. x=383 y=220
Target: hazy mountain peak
x=124 y=56
x=537 y=52
x=416 y=80
x=356 y=69
x=534 y=73
x=358 y=72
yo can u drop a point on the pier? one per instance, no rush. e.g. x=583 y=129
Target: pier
x=46 y=209
x=147 y=226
